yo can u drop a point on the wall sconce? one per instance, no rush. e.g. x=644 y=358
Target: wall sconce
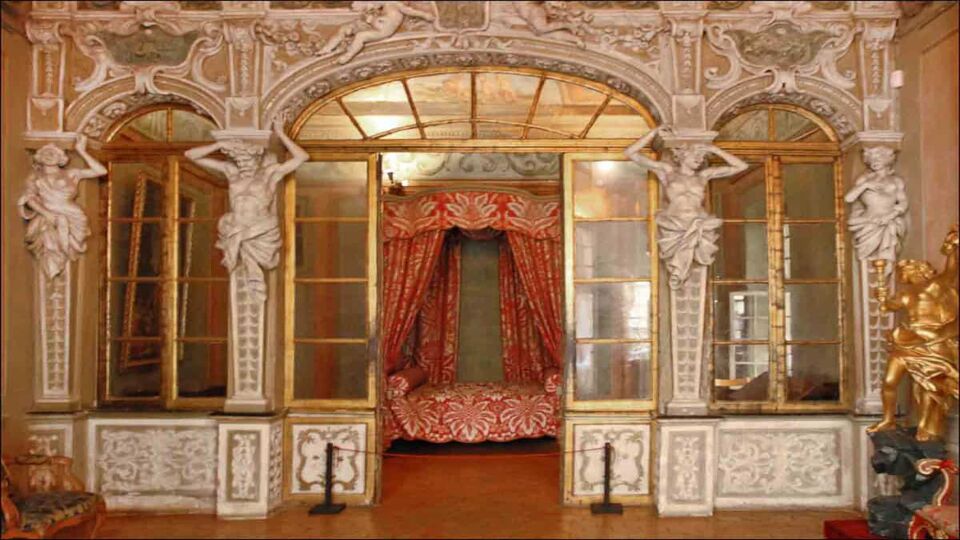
x=394 y=186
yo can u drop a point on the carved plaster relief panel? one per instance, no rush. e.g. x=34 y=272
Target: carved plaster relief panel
x=630 y=458
x=248 y=466
x=781 y=43
x=309 y=454
x=45 y=107
x=784 y=462
x=155 y=39
x=876 y=61
x=140 y=463
x=686 y=335
x=687 y=467
x=51 y=434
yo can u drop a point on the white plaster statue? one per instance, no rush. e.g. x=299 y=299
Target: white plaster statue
x=540 y=17
x=249 y=234
x=687 y=233
x=377 y=21
x=57 y=231
x=878 y=218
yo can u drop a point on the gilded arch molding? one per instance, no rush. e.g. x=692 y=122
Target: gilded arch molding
x=837 y=107
x=292 y=95
x=96 y=111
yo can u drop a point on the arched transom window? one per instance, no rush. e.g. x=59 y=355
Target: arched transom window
x=479 y=103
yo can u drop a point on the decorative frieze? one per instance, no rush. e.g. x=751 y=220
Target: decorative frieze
x=155 y=464
x=309 y=454
x=767 y=462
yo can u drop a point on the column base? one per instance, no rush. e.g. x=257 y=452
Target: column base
x=246 y=406
x=687 y=408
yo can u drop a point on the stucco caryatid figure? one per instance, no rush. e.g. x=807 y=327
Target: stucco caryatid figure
x=249 y=235
x=57 y=227
x=687 y=233
x=56 y=235
x=687 y=236
x=878 y=217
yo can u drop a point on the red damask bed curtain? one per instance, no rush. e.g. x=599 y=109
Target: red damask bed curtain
x=422 y=278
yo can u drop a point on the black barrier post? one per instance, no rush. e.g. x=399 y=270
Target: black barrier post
x=328 y=506
x=606 y=507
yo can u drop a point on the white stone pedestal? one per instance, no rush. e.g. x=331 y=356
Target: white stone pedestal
x=250 y=466
x=687 y=466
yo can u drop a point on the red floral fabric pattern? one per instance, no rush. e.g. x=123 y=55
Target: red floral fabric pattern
x=539 y=263
x=476 y=412
x=524 y=356
x=439 y=319
x=408 y=265
x=538 y=217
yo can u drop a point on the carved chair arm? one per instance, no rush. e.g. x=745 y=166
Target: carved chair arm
x=11 y=516
x=36 y=474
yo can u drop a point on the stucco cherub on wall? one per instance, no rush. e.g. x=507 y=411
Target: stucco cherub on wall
x=377 y=21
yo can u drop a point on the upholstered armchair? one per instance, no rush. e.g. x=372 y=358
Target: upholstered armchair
x=42 y=499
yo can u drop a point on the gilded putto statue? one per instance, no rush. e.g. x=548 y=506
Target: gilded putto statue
x=924 y=343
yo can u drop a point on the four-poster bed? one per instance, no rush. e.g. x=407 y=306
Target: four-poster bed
x=421 y=310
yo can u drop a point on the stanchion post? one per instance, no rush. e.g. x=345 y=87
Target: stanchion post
x=606 y=507
x=328 y=506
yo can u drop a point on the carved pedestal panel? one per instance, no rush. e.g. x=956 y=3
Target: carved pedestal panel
x=792 y=462
x=250 y=466
x=874 y=327
x=687 y=466
x=686 y=337
x=153 y=464
x=629 y=437
x=354 y=468
x=53 y=371
x=246 y=344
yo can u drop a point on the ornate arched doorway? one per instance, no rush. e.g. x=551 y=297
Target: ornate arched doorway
x=543 y=133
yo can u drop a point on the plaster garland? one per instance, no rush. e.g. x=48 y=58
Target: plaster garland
x=243 y=465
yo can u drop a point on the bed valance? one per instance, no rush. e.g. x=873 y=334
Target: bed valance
x=536 y=217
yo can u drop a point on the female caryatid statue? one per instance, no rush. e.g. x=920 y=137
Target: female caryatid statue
x=249 y=234
x=878 y=217
x=924 y=344
x=687 y=233
x=57 y=231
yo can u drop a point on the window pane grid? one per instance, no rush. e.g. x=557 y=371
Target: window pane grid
x=790 y=377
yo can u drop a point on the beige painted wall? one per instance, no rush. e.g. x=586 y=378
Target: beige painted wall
x=928 y=57
x=18 y=284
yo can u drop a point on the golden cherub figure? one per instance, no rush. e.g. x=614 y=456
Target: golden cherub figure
x=924 y=344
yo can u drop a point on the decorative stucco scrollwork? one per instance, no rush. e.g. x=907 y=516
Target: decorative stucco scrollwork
x=783 y=45
x=155 y=40
x=838 y=108
x=96 y=111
